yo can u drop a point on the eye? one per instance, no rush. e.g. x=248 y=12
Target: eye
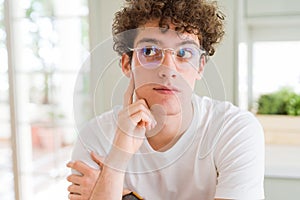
x=150 y=51
x=185 y=53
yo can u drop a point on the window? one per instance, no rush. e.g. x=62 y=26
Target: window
x=269 y=38
x=50 y=44
x=275 y=65
x=6 y=169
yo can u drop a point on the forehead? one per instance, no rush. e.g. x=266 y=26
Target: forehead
x=167 y=38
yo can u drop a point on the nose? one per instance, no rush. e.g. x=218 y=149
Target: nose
x=168 y=66
x=167 y=73
x=168 y=59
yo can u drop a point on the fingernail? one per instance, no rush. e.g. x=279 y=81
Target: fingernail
x=70 y=163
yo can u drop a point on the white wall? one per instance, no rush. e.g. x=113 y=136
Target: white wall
x=101 y=17
x=282 y=188
x=263 y=8
x=220 y=77
x=103 y=77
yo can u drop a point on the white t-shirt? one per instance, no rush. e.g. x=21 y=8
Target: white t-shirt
x=221 y=155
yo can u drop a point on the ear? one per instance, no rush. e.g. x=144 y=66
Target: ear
x=201 y=67
x=126 y=65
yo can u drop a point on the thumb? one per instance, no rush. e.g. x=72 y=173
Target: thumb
x=98 y=159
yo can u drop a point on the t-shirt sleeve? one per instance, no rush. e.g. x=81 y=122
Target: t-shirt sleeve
x=91 y=138
x=239 y=159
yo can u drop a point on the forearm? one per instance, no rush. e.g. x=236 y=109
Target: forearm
x=109 y=185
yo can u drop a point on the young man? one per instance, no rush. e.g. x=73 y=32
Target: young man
x=166 y=142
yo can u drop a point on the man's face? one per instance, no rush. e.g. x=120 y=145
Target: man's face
x=165 y=66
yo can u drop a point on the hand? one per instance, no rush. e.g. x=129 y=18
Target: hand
x=82 y=185
x=133 y=121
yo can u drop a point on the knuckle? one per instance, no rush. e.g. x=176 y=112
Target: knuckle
x=141 y=107
x=141 y=102
x=85 y=182
x=69 y=188
x=76 y=164
x=86 y=191
x=144 y=103
x=69 y=178
x=89 y=174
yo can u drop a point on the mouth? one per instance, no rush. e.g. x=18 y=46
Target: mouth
x=166 y=90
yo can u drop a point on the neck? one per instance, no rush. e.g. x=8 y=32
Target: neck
x=169 y=129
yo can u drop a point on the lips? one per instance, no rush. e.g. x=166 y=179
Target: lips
x=166 y=90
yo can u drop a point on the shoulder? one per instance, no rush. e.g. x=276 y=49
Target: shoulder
x=101 y=123
x=100 y=130
x=95 y=135
x=222 y=122
x=223 y=113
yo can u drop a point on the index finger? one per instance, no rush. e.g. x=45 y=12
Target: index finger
x=80 y=167
x=128 y=95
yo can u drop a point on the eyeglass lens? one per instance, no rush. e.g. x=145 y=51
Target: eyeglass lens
x=152 y=56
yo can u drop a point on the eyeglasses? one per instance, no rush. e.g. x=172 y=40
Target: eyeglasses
x=152 y=56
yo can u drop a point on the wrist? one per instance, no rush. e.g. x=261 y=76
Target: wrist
x=118 y=159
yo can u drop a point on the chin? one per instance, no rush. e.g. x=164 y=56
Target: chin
x=169 y=107
x=170 y=103
x=172 y=111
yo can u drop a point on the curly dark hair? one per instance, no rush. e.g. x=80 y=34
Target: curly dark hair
x=199 y=17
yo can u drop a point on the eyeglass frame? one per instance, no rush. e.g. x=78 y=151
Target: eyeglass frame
x=202 y=52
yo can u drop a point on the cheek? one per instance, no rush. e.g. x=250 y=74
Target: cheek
x=138 y=73
x=144 y=77
x=190 y=78
x=142 y=92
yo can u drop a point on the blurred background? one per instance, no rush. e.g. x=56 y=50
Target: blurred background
x=43 y=45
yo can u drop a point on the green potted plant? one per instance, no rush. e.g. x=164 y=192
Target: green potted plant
x=283 y=102
x=279 y=114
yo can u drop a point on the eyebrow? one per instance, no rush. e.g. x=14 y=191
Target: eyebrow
x=157 y=42
x=188 y=42
x=150 y=40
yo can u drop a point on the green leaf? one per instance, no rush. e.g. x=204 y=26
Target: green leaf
x=283 y=102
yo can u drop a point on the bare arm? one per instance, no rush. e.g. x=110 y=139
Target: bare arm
x=133 y=121
x=83 y=183
x=109 y=184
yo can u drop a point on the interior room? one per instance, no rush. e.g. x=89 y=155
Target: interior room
x=47 y=84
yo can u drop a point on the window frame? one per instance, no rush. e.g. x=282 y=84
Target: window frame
x=266 y=29
x=21 y=183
